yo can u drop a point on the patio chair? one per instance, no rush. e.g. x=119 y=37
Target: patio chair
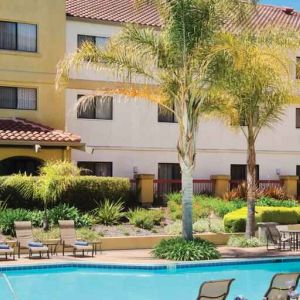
x=278 y=240
x=282 y=285
x=217 y=290
x=25 y=240
x=69 y=240
x=5 y=249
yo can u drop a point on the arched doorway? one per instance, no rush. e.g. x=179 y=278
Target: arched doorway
x=20 y=164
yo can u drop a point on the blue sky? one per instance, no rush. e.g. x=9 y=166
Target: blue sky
x=290 y=3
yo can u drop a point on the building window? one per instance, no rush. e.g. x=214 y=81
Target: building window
x=18 y=98
x=97 y=108
x=165 y=115
x=18 y=36
x=98 y=41
x=297 y=117
x=238 y=174
x=297 y=67
x=103 y=169
x=169 y=171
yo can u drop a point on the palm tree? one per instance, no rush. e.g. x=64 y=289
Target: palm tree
x=55 y=178
x=171 y=63
x=257 y=88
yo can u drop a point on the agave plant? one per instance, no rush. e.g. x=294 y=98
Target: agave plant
x=108 y=212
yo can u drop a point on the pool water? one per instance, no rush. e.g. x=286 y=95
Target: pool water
x=77 y=283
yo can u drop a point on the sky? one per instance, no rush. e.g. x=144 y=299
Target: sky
x=288 y=3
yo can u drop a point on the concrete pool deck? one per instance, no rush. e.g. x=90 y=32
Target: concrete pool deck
x=144 y=256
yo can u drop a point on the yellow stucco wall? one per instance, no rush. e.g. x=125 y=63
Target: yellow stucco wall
x=36 y=70
x=45 y=153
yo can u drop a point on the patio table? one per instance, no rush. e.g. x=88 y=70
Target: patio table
x=295 y=238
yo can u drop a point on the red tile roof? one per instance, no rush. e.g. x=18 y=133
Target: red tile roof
x=268 y=16
x=126 y=11
x=113 y=10
x=18 y=129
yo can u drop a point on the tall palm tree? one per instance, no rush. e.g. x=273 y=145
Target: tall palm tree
x=257 y=88
x=172 y=59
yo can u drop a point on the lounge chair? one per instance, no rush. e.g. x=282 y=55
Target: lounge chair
x=25 y=240
x=282 y=285
x=217 y=290
x=6 y=249
x=69 y=240
x=278 y=240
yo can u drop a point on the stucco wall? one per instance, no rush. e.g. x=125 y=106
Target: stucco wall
x=134 y=138
x=36 y=70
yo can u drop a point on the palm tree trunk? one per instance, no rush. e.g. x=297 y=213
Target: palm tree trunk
x=187 y=153
x=187 y=206
x=46 y=220
x=251 y=185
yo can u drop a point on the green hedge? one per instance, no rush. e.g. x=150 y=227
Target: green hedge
x=82 y=193
x=236 y=221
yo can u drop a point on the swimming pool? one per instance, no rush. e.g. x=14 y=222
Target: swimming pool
x=161 y=282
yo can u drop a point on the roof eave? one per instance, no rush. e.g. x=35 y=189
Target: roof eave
x=41 y=143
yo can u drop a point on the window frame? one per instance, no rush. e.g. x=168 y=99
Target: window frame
x=173 y=171
x=17 y=102
x=94 y=163
x=174 y=120
x=94 y=118
x=94 y=37
x=16 y=37
x=297 y=76
x=297 y=110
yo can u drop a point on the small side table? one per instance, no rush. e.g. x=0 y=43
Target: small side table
x=52 y=246
x=95 y=244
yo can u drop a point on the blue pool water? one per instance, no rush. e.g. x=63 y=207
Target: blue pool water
x=88 y=282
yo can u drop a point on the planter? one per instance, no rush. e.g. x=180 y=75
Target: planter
x=146 y=242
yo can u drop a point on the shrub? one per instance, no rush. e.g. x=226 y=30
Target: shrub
x=82 y=192
x=66 y=212
x=182 y=250
x=174 y=228
x=83 y=233
x=209 y=225
x=9 y=216
x=109 y=213
x=144 y=218
x=174 y=197
x=265 y=201
x=36 y=217
x=236 y=220
x=275 y=192
x=61 y=212
x=203 y=206
x=175 y=210
x=218 y=206
x=242 y=242
x=238 y=193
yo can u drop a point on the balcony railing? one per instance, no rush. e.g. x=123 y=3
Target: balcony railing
x=162 y=187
